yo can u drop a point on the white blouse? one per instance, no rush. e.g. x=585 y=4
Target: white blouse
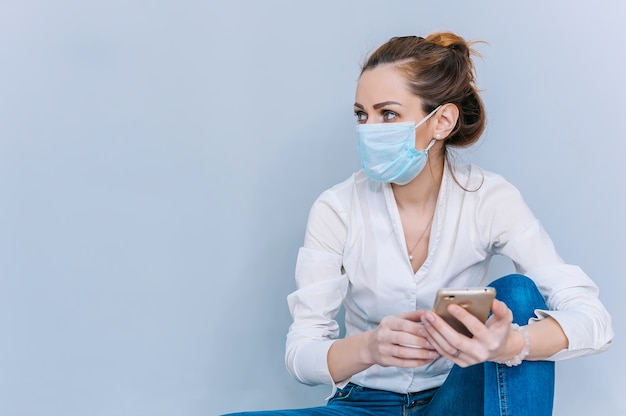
x=355 y=254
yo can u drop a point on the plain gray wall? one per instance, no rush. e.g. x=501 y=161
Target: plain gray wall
x=158 y=160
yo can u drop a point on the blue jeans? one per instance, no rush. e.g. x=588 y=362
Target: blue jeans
x=488 y=389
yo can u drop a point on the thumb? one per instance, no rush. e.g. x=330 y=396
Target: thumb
x=501 y=311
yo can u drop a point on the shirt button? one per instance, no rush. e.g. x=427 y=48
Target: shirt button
x=407 y=294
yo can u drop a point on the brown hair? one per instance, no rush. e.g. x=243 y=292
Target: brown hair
x=439 y=70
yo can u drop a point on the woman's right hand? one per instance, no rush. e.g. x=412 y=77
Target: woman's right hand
x=395 y=342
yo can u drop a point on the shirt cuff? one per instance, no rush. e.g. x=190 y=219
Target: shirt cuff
x=578 y=335
x=312 y=363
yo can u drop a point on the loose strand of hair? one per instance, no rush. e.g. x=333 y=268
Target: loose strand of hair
x=451 y=165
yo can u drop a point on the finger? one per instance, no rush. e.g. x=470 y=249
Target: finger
x=409 y=355
x=413 y=341
x=500 y=310
x=403 y=323
x=415 y=316
x=460 y=355
x=443 y=337
x=461 y=358
x=443 y=328
x=473 y=324
x=501 y=316
x=446 y=350
x=410 y=352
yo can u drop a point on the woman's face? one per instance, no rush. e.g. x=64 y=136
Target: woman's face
x=383 y=96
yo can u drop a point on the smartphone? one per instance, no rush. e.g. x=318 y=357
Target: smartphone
x=476 y=300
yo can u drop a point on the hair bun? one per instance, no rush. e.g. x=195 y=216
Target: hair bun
x=452 y=42
x=446 y=39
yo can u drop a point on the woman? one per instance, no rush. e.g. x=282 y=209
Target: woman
x=411 y=222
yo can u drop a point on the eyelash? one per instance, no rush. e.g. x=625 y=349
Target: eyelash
x=361 y=116
x=388 y=112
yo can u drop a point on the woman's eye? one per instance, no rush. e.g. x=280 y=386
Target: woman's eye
x=360 y=116
x=389 y=115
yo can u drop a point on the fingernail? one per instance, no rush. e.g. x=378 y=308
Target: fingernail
x=430 y=317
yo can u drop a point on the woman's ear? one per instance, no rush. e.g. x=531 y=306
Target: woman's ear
x=445 y=120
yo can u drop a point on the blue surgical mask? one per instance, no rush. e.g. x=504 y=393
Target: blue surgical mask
x=388 y=153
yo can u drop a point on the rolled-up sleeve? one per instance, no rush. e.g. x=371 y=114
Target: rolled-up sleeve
x=321 y=289
x=313 y=308
x=571 y=296
x=573 y=302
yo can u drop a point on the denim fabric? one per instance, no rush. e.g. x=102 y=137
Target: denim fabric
x=361 y=401
x=488 y=389
x=527 y=389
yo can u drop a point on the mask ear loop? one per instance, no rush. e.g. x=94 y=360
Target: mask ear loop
x=425 y=119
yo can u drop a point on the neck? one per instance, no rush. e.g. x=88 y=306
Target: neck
x=421 y=193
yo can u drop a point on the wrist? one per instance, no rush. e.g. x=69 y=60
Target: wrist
x=366 y=355
x=519 y=332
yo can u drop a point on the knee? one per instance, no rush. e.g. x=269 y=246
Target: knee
x=521 y=295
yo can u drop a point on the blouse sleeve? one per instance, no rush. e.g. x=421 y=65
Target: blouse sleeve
x=321 y=288
x=571 y=296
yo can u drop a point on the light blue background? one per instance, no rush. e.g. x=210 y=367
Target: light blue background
x=158 y=160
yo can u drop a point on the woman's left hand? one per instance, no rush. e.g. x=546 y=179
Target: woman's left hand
x=490 y=342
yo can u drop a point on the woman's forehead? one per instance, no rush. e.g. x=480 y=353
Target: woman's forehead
x=383 y=83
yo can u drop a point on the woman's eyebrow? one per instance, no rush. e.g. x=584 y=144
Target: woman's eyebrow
x=377 y=106
x=384 y=103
